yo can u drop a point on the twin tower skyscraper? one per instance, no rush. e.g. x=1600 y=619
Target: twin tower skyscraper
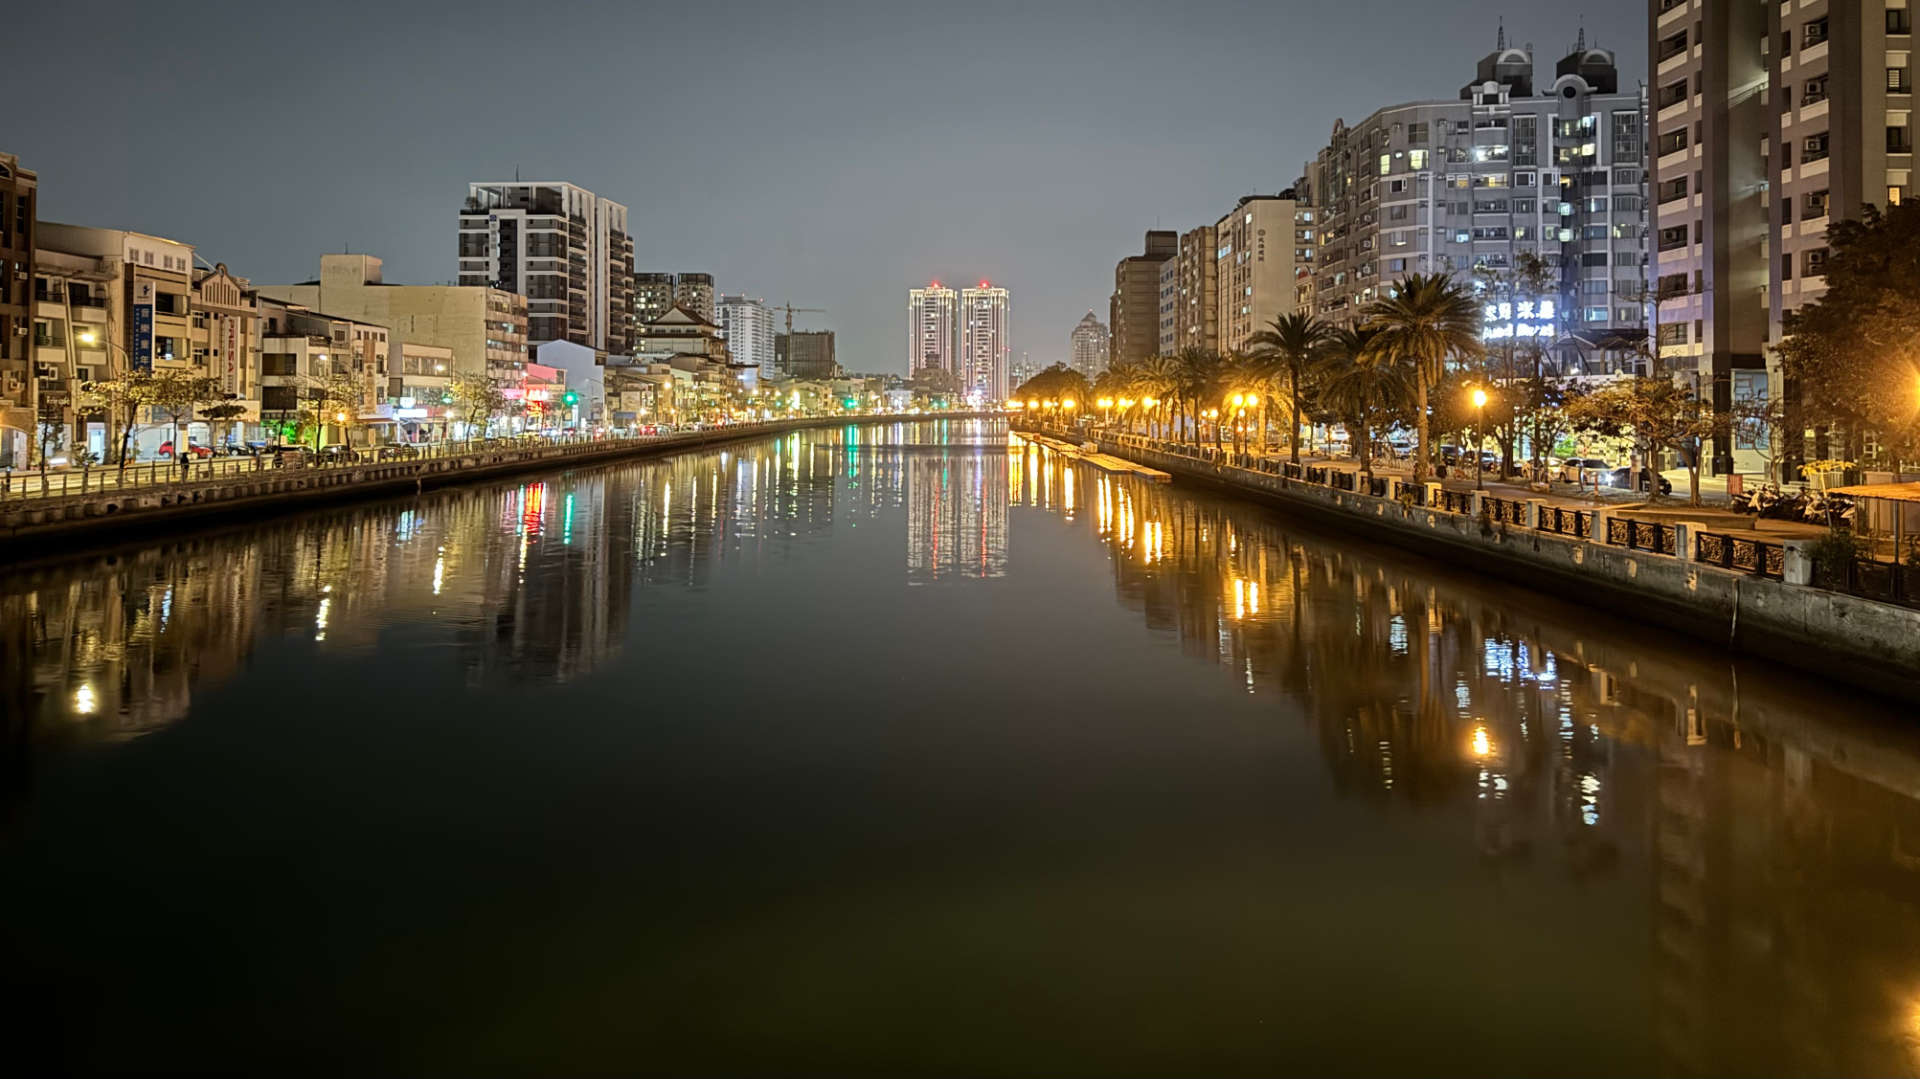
x=965 y=333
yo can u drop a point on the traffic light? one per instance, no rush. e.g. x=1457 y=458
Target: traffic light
x=446 y=398
x=850 y=402
x=570 y=398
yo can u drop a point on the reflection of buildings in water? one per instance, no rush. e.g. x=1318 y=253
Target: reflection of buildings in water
x=956 y=514
x=113 y=651
x=1783 y=859
x=535 y=579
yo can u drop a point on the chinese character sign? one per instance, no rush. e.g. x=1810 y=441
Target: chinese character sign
x=1527 y=318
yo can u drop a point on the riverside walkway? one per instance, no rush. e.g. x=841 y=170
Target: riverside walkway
x=1712 y=575
x=75 y=504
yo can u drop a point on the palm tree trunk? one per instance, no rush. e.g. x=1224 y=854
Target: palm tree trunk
x=1420 y=425
x=1293 y=404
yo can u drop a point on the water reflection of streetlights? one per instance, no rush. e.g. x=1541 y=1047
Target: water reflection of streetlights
x=1482 y=744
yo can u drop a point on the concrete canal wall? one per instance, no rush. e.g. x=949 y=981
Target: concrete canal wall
x=1859 y=641
x=43 y=524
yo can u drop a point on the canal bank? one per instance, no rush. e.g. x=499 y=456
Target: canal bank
x=34 y=525
x=1752 y=595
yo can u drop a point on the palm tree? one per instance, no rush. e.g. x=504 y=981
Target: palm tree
x=1289 y=342
x=1356 y=378
x=1426 y=320
x=1200 y=376
x=1160 y=378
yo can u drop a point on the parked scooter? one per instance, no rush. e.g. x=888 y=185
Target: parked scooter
x=1756 y=498
x=1787 y=507
x=1833 y=511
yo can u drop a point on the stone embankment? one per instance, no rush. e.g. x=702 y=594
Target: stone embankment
x=1753 y=594
x=55 y=522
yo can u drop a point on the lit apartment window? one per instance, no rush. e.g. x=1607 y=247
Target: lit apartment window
x=1899 y=80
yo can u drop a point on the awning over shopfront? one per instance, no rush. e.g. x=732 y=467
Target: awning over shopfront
x=1892 y=492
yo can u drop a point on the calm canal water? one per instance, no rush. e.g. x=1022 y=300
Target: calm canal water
x=899 y=750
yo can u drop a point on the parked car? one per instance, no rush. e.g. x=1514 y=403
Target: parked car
x=339 y=453
x=234 y=449
x=1572 y=467
x=292 y=456
x=193 y=449
x=399 y=451
x=1622 y=478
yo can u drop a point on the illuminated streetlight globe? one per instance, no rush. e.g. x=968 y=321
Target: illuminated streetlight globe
x=1479 y=397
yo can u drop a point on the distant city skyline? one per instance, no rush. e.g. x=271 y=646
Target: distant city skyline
x=828 y=191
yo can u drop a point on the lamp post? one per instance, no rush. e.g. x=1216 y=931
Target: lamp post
x=1242 y=402
x=1480 y=437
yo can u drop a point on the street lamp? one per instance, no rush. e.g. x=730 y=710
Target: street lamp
x=1480 y=430
x=1242 y=402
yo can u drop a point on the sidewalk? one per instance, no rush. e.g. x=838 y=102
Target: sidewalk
x=1713 y=512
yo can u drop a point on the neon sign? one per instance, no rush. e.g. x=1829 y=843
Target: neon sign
x=1526 y=318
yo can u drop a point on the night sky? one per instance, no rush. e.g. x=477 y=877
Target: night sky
x=831 y=155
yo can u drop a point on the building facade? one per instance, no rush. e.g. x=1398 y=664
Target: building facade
x=1087 y=345
x=1468 y=186
x=322 y=377
x=148 y=285
x=748 y=327
x=487 y=328
x=985 y=341
x=1196 y=315
x=1254 y=267
x=694 y=291
x=652 y=296
x=561 y=246
x=808 y=354
x=932 y=330
x=19 y=405
x=1769 y=122
x=1133 y=312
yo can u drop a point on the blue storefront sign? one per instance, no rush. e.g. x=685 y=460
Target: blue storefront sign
x=141 y=354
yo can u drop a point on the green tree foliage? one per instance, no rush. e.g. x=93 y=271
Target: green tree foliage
x=1850 y=357
x=477 y=400
x=1056 y=383
x=1657 y=414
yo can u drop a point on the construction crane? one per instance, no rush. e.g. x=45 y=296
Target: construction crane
x=790 y=309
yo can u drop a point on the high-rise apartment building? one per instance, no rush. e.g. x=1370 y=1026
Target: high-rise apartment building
x=1467 y=186
x=1255 y=266
x=1089 y=342
x=985 y=344
x=1770 y=120
x=932 y=329
x=748 y=327
x=652 y=296
x=807 y=354
x=561 y=246
x=1196 y=315
x=1133 y=312
x=694 y=291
